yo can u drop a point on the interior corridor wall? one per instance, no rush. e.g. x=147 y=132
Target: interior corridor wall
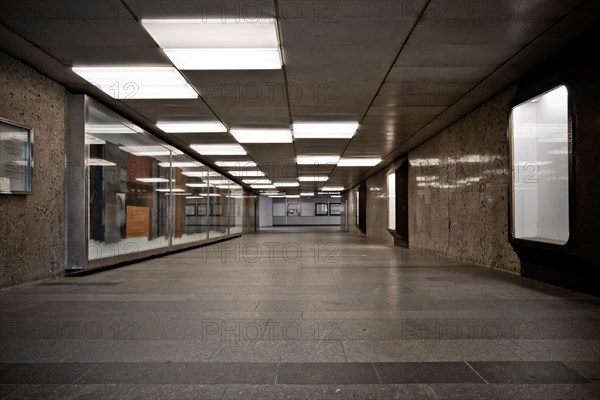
x=32 y=226
x=458 y=190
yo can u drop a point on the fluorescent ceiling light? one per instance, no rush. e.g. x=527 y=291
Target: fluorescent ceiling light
x=110 y=129
x=262 y=135
x=98 y=162
x=168 y=190
x=358 y=162
x=152 y=180
x=192 y=127
x=293 y=196
x=196 y=185
x=327 y=130
x=138 y=82
x=219 y=149
x=258 y=181
x=307 y=194
x=93 y=140
x=277 y=196
x=181 y=164
x=333 y=189
x=254 y=173
x=313 y=178
x=286 y=184
x=262 y=186
x=336 y=197
x=224 y=59
x=236 y=164
x=316 y=160
x=142 y=151
x=212 y=33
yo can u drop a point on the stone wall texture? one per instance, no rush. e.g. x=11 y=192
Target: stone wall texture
x=32 y=226
x=458 y=190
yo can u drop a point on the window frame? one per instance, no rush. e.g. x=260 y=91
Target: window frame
x=520 y=99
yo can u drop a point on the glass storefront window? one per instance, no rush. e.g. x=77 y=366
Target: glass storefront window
x=540 y=152
x=391 y=189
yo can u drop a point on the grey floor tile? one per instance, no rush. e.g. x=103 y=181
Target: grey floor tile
x=430 y=372
x=326 y=373
x=588 y=369
x=42 y=373
x=329 y=392
x=181 y=373
x=541 y=372
x=7 y=389
x=516 y=392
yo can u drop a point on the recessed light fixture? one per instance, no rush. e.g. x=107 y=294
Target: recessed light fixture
x=333 y=189
x=214 y=182
x=248 y=173
x=307 y=194
x=236 y=164
x=287 y=184
x=317 y=160
x=313 y=178
x=327 y=130
x=142 y=151
x=169 y=190
x=152 y=180
x=258 y=181
x=293 y=196
x=358 y=162
x=180 y=164
x=224 y=59
x=192 y=127
x=262 y=135
x=200 y=174
x=98 y=162
x=196 y=185
x=138 y=82
x=209 y=44
x=274 y=196
x=262 y=186
x=110 y=129
x=219 y=149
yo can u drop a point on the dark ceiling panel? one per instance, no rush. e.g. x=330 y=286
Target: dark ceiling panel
x=172 y=110
x=220 y=9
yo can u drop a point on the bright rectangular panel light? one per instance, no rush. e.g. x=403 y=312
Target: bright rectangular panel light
x=307 y=194
x=262 y=135
x=317 y=160
x=333 y=189
x=258 y=181
x=247 y=173
x=150 y=151
x=215 y=182
x=313 y=178
x=236 y=164
x=293 y=196
x=192 y=127
x=180 y=164
x=152 y=180
x=212 y=33
x=225 y=58
x=328 y=130
x=358 y=162
x=138 y=82
x=98 y=162
x=196 y=185
x=110 y=129
x=168 y=190
x=219 y=149
x=262 y=186
x=286 y=184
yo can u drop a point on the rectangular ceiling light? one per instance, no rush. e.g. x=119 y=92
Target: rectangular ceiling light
x=219 y=149
x=252 y=173
x=236 y=164
x=196 y=185
x=168 y=190
x=150 y=151
x=98 y=162
x=181 y=164
x=307 y=194
x=192 y=127
x=138 y=82
x=333 y=189
x=327 y=130
x=152 y=180
x=317 y=160
x=225 y=59
x=313 y=178
x=110 y=129
x=217 y=44
x=287 y=184
x=258 y=181
x=262 y=186
x=293 y=196
x=358 y=162
x=262 y=135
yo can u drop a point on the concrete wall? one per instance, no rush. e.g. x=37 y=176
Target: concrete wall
x=377 y=208
x=250 y=210
x=458 y=190
x=32 y=226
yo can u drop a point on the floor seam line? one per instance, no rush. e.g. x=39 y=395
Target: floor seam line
x=376 y=373
x=478 y=374
x=85 y=373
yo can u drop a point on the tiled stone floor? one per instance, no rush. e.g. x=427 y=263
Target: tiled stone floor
x=298 y=315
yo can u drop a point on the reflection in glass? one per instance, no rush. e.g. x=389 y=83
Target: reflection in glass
x=540 y=149
x=391 y=189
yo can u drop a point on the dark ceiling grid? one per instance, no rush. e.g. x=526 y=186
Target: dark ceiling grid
x=389 y=158
x=200 y=95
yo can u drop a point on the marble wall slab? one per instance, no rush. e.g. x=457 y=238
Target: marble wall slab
x=458 y=190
